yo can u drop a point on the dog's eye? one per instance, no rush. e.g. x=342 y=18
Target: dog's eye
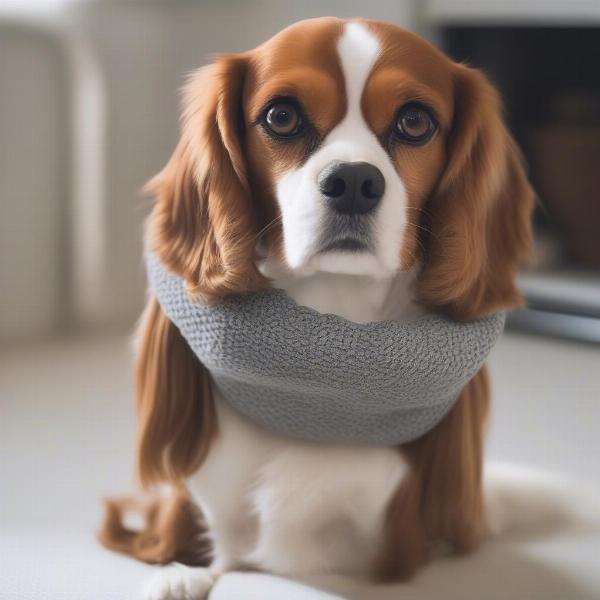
x=414 y=124
x=283 y=119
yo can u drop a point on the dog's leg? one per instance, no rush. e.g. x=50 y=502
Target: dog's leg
x=181 y=582
x=326 y=519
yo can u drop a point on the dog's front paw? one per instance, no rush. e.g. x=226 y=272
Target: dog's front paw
x=178 y=582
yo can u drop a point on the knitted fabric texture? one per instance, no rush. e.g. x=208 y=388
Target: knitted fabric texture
x=323 y=378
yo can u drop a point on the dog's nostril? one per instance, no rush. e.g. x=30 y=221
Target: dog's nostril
x=373 y=186
x=368 y=189
x=333 y=187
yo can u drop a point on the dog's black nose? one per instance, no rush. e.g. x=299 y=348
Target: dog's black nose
x=352 y=187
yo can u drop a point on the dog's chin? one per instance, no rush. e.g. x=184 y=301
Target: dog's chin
x=349 y=262
x=335 y=261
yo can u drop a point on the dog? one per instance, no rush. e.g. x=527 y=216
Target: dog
x=355 y=166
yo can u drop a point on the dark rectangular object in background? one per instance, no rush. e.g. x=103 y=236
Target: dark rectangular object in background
x=550 y=81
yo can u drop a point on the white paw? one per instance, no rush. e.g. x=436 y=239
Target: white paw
x=179 y=582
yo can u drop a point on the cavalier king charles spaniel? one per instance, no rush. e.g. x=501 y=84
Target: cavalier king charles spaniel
x=355 y=166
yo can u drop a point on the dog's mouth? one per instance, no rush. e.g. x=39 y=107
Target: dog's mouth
x=348 y=244
x=348 y=253
x=346 y=234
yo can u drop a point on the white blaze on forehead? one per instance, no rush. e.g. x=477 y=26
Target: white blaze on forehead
x=358 y=50
x=304 y=210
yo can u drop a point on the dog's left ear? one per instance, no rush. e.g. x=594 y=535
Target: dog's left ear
x=480 y=214
x=203 y=224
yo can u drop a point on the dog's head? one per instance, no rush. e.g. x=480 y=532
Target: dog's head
x=350 y=147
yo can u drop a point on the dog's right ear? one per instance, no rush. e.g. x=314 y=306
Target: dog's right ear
x=480 y=225
x=203 y=226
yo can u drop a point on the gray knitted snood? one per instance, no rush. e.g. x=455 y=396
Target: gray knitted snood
x=322 y=378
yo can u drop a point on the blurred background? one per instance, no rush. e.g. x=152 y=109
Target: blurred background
x=89 y=106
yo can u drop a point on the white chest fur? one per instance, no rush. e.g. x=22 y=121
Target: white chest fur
x=291 y=507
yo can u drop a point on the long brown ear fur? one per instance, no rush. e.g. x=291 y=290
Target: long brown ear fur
x=176 y=413
x=176 y=424
x=173 y=531
x=441 y=501
x=480 y=215
x=450 y=463
x=203 y=224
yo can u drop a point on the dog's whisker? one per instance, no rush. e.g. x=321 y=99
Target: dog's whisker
x=423 y=228
x=268 y=226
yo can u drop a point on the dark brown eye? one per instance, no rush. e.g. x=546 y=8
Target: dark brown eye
x=283 y=119
x=414 y=124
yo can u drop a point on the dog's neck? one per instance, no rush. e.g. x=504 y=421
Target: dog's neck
x=358 y=298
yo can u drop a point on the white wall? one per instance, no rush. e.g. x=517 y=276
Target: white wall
x=34 y=189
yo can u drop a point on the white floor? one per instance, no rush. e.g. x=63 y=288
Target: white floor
x=66 y=433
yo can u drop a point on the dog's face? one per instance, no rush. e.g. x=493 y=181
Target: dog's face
x=345 y=146
x=346 y=132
